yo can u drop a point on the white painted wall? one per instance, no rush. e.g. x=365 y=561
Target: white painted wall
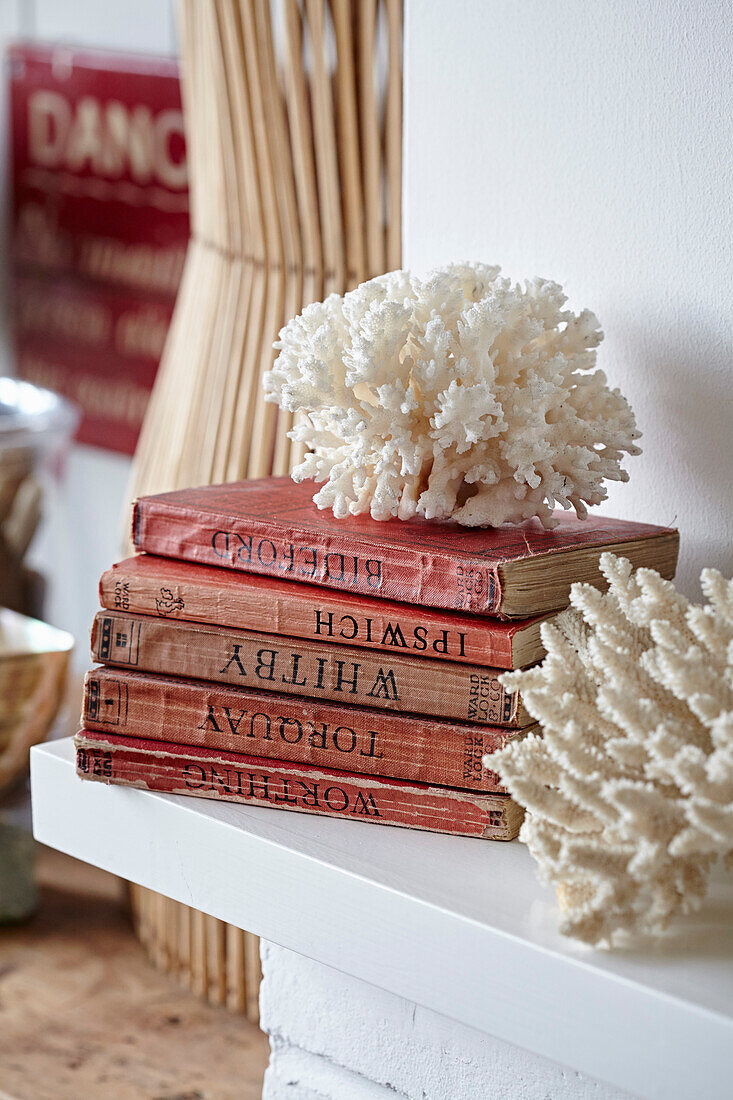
x=591 y=143
x=114 y=24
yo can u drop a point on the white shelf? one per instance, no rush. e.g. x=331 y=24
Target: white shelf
x=458 y=925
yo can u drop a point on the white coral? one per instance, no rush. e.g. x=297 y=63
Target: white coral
x=629 y=788
x=457 y=396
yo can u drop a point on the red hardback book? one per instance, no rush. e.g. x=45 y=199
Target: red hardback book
x=271 y=526
x=100 y=226
x=286 y=727
x=150 y=585
x=179 y=769
x=293 y=666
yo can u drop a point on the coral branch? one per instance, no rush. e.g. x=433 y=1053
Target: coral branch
x=457 y=396
x=629 y=790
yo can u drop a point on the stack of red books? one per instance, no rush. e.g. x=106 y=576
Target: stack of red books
x=258 y=650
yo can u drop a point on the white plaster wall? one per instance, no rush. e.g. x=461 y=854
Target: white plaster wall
x=334 y=1036
x=591 y=143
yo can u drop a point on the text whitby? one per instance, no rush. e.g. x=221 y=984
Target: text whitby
x=349 y=677
x=308 y=562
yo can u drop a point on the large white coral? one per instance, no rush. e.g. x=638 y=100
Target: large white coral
x=456 y=396
x=629 y=787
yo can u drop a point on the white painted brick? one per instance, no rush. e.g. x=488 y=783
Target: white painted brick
x=408 y=1049
x=295 y=1074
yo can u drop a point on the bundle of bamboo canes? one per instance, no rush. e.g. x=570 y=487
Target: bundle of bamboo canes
x=294 y=138
x=293 y=121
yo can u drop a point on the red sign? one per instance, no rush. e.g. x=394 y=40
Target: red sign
x=100 y=226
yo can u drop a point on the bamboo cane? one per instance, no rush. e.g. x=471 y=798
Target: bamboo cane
x=293 y=126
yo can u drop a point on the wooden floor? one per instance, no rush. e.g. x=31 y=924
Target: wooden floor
x=83 y=1015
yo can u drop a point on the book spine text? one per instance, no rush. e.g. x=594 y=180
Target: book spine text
x=311 y=613
x=285 y=786
x=286 y=727
x=467 y=693
x=425 y=578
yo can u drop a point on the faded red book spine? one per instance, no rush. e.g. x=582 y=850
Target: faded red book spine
x=467 y=693
x=284 y=727
x=150 y=585
x=322 y=551
x=271 y=526
x=176 y=769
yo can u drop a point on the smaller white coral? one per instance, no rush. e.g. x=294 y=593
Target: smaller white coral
x=629 y=787
x=458 y=396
